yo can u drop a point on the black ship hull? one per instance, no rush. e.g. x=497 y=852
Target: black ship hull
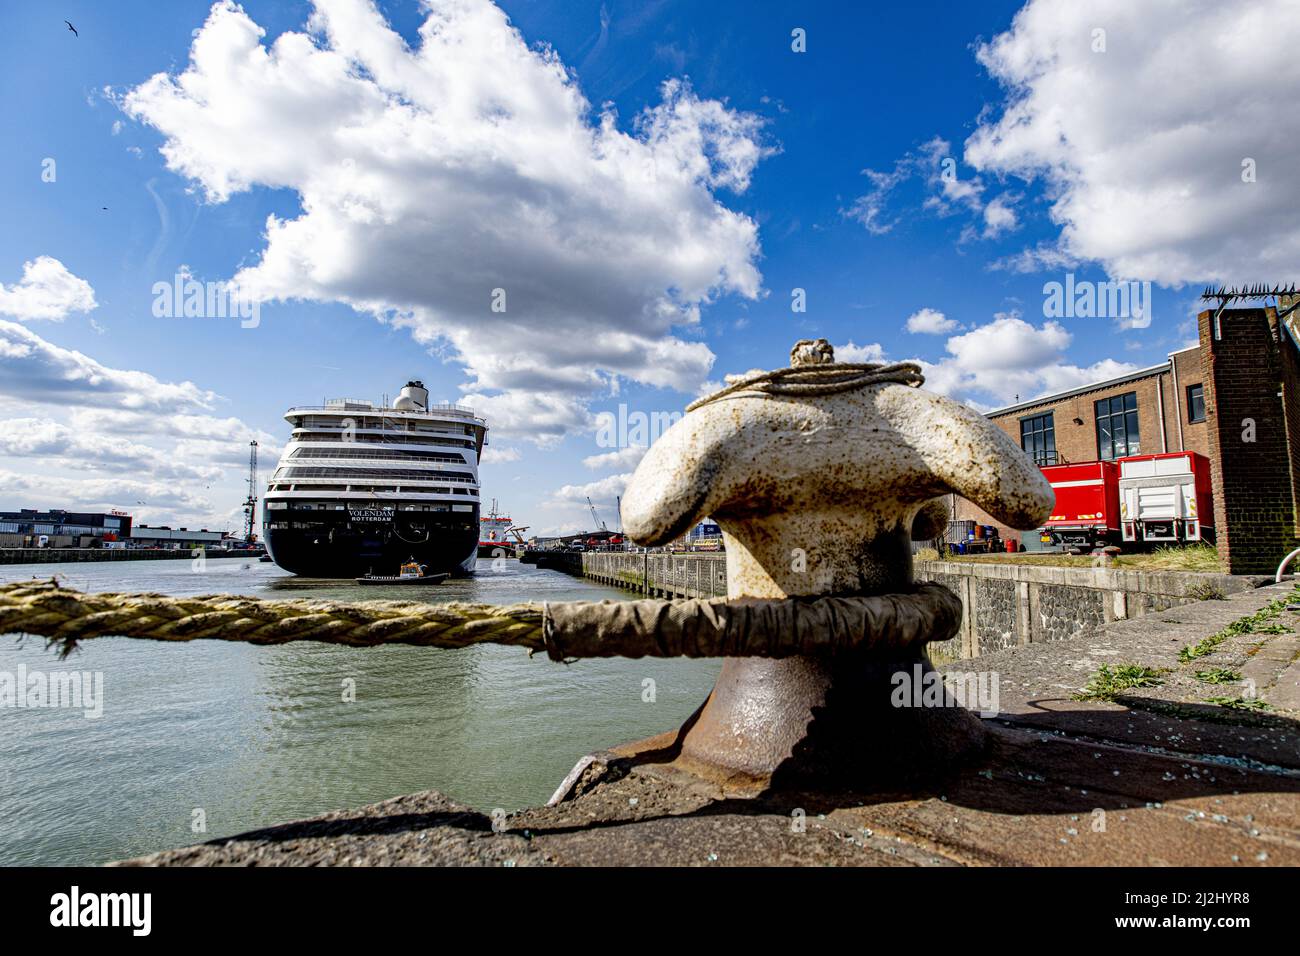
x=331 y=544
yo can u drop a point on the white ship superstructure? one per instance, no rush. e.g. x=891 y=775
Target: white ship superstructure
x=362 y=486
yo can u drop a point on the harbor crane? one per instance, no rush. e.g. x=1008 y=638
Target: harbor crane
x=250 y=503
x=595 y=517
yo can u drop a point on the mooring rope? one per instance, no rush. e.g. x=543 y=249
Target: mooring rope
x=65 y=616
x=567 y=630
x=824 y=379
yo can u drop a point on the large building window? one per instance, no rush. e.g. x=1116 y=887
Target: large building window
x=1196 y=403
x=1038 y=438
x=1117 y=427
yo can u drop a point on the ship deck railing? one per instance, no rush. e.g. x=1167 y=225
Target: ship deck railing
x=386 y=412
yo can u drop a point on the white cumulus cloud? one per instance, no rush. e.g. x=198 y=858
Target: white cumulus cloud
x=1142 y=119
x=1009 y=359
x=930 y=322
x=624 y=458
x=464 y=188
x=47 y=290
x=48 y=440
x=164 y=499
x=603 y=491
x=999 y=362
x=35 y=370
x=849 y=352
x=497 y=455
x=116 y=438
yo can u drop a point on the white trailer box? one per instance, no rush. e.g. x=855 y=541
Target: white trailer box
x=1162 y=497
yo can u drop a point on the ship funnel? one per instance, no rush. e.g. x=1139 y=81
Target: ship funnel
x=413 y=397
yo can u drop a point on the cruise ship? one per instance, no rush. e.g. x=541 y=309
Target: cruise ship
x=363 y=488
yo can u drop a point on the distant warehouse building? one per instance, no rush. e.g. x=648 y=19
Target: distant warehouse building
x=1234 y=398
x=28 y=528
x=143 y=536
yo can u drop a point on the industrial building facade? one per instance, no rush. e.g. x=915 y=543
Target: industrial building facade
x=1234 y=397
x=62 y=529
x=1157 y=409
x=29 y=528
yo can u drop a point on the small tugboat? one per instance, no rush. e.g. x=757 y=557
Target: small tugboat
x=412 y=572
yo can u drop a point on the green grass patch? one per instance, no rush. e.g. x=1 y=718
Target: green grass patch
x=1108 y=683
x=1196 y=557
x=1192 y=557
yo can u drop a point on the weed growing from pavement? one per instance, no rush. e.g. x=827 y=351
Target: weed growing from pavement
x=1238 y=703
x=1218 y=675
x=1107 y=684
x=1261 y=622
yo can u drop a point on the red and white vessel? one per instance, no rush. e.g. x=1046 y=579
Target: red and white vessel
x=493 y=537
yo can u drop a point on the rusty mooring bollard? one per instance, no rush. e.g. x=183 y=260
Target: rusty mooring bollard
x=818 y=476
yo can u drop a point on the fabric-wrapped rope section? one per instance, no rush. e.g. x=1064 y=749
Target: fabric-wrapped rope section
x=687 y=628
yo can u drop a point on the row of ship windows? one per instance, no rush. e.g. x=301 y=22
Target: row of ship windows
x=372 y=488
x=326 y=526
x=395 y=424
x=412 y=473
x=411 y=439
x=337 y=506
x=395 y=453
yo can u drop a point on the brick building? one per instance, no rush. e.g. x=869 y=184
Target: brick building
x=1234 y=397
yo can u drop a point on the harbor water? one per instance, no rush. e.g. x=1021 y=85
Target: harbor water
x=206 y=739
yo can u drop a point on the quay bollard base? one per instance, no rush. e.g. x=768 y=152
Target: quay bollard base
x=803 y=723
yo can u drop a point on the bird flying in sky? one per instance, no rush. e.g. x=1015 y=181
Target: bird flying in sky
x=73 y=29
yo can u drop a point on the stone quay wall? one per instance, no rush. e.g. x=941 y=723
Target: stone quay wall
x=660 y=575
x=1004 y=605
x=61 y=555
x=1015 y=604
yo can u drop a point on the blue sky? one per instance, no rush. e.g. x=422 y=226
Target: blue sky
x=1055 y=147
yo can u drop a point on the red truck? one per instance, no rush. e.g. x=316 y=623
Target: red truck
x=1086 y=513
x=1141 y=500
